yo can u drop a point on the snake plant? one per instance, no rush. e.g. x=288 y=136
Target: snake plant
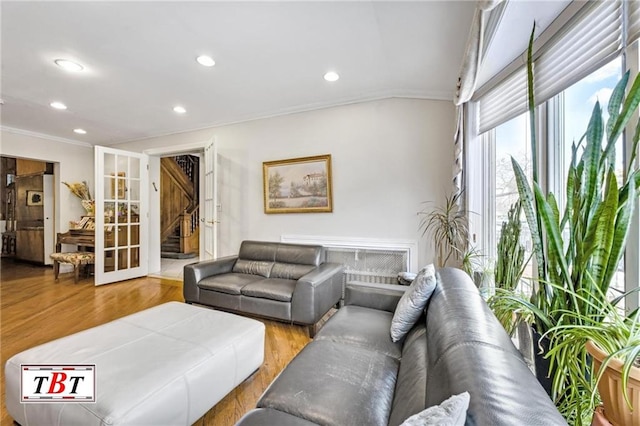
x=578 y=248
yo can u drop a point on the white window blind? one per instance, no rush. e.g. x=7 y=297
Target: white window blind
x=633 y=23
x=591 y=38
x=504 y=102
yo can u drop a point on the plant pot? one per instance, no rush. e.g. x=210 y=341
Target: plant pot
x=616 y=409
x=542 y=364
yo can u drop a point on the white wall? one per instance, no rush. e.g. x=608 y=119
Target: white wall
x=389 y=156
x=75 y=164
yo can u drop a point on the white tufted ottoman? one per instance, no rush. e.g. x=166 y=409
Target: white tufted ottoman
x=167 y=365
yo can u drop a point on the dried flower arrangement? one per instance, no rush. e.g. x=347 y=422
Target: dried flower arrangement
x=80 y=190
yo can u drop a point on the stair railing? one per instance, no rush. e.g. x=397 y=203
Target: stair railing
x=189 y=165
x=189 y=238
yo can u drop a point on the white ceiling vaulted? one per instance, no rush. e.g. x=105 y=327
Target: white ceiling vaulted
x=139 y=60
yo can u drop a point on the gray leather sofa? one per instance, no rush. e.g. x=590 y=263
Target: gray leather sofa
x=286 y=282
x=353 y=374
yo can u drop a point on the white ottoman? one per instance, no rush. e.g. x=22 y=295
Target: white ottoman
x=167 y=365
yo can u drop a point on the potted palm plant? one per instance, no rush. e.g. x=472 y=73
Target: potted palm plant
x=574 y=272
x=447 y=225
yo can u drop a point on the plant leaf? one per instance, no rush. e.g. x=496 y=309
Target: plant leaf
x=630 y=105
x=615 y=102
x=621 y=232
x=554 y=237
x=526 y=198
x=591 y=155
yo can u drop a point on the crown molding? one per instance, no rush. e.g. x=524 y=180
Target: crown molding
x=378 y=96
x=44 y=136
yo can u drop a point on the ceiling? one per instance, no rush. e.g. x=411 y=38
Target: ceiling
x=139 y=60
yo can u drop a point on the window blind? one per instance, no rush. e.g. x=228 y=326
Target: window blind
x=591 y=38
x=504 y=102
x=633 y=23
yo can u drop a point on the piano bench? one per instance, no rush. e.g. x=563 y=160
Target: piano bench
x=75 y=258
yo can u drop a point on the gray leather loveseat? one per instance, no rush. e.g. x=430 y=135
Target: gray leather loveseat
x=286 y=282
x=353 y=374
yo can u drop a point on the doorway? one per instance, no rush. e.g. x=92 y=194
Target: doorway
x=27 y=209
x=179 y=213
x=165 y=267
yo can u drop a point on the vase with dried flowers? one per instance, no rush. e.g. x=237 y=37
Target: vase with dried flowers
x=81 y=190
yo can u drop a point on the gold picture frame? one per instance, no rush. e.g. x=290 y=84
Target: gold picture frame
x=119 y=182
x=298 y=185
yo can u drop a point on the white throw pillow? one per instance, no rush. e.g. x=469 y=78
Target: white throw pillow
x=413 y=302
x=451 y=412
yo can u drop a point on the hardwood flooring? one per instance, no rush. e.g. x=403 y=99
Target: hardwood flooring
x=35 y=309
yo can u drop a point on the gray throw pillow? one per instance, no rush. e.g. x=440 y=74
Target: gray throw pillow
x=413 y=302
x=451 y=412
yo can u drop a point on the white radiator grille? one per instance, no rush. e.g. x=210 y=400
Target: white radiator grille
x=365 y=259
x=369 y=265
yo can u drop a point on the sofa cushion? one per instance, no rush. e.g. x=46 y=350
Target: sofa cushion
x=231 y=283
x=254 y=267
x=300 y=254
x=364 y=327
x=331 y=383
x=451 y=412
x=258 y=250
x=413 y=302
x=290 y=271
x=410 y=396
x=271 y=288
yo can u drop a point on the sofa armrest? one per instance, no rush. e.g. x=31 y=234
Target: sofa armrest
x=195 y=272
x=383 y=297
x=316 y=292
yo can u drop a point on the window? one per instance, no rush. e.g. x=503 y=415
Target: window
x=562 y=120
x=577 y=105
x=579 y=58
x=512 y=140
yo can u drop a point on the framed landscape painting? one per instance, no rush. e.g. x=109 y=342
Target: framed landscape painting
x=298 y=185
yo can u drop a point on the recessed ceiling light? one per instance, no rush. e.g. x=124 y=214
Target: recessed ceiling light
x=179 y=109
x=206 y=61
x=80 y=131
x=68 y=65
x=331 y=76
x=58 y=105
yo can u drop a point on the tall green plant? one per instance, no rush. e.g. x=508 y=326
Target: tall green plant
x=447 y=226
x=510 y=260
x=510 y=264
x=597 y=213
x=575 y=272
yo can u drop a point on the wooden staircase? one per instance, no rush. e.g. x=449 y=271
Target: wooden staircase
x=179 y=218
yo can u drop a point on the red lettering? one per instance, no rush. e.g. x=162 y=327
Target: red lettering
x=57 y=379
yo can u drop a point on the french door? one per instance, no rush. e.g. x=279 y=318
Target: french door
x=121 y=221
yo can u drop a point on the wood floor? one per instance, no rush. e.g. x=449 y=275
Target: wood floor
x=35 y=309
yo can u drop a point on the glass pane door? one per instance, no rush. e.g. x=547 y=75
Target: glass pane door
x=121 y=201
